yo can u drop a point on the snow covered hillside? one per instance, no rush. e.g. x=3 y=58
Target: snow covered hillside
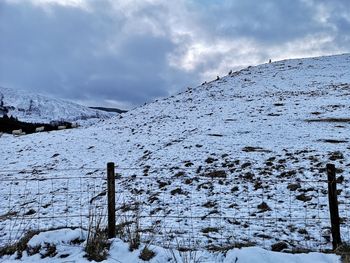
x=237 y=160
x=36 y=108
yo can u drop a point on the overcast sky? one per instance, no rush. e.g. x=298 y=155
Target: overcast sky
x=126 y=52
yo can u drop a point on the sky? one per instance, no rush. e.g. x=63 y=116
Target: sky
x=123 y=53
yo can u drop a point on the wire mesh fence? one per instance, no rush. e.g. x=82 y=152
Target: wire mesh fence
x=228 y=212
x=176 y=207
x=42 y=202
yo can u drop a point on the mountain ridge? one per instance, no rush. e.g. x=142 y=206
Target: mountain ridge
x=31 y=107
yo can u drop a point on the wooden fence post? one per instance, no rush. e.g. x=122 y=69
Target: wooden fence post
x=333 y=206
x=111 y=200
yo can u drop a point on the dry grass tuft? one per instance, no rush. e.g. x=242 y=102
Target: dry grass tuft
x=97 y=243
x=147 y=254
x=19 y=247
x=344 y=252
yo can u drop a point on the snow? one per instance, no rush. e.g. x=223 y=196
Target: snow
x=260 y=255
x=119 y=252
x=255 y=126
x=37 y=108
x=62 y=236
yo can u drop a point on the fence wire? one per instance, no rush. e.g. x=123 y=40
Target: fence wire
x=168 y=207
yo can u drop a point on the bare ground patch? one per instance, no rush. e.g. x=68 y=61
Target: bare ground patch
x=332 y=120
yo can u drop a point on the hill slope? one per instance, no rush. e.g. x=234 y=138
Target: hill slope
x=36 y=108
x=240 y=159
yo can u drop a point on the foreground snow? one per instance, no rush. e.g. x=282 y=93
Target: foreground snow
x=119 y=252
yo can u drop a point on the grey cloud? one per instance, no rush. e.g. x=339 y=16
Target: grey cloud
x=268 y=21
x=66 y=53
x=106 y=53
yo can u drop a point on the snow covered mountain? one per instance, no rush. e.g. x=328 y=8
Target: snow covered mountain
x=36 y=108
x=238 y=158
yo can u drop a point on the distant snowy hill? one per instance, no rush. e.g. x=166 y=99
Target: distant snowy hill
x=239 y=159
x=36 y=108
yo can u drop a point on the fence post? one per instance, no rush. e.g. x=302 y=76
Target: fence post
x=111 y=200
x=333 y=206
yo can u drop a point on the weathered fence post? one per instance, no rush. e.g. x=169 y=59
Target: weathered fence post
x=333 y=206
x=111 y=199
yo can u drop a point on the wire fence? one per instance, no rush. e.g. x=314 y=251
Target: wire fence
x=176 y=207
x=46 y=203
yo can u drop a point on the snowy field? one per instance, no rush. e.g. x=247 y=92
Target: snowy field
x=240 y=160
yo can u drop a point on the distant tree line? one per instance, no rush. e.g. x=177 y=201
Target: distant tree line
x=108 y=109
x=8 y=124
